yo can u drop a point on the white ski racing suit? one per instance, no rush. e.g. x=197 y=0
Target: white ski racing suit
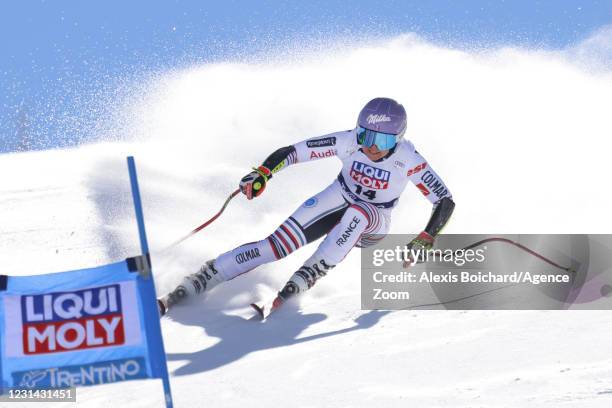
x=354 y=210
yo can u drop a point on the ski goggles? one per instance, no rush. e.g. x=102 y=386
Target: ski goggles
x=368 y=138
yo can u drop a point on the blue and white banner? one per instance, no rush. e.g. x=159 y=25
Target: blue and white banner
x=77 y=328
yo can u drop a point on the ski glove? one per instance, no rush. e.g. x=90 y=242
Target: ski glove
x=421 y=243
x=254 y=183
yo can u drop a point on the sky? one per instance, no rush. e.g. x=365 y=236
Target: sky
x=65 y=65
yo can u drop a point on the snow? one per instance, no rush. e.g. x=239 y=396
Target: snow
x=519 y=136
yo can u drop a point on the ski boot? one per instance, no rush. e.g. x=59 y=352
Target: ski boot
x=203 y=280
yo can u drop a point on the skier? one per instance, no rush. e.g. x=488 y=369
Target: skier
x=354 y=210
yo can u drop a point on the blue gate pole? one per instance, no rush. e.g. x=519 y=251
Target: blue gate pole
x=151 y=313
x=144 y=245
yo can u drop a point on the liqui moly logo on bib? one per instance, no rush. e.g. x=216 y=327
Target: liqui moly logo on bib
x=370 y=176
x=65 y=321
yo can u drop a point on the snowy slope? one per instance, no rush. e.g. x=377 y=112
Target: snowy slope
x=518 y=135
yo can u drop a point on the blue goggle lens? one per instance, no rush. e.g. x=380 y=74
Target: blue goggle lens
x=368 y=138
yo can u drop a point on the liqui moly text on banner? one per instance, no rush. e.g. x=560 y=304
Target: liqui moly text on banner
x=77 y=320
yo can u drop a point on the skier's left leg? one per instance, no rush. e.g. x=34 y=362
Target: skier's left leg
x=362 y=225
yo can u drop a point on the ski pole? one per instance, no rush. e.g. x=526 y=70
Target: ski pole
x=524 y=248
x=516 y=244
x=205 y=224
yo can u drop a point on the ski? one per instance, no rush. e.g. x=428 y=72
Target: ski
x=161 y=307
x=263 y=313
x=260 y=310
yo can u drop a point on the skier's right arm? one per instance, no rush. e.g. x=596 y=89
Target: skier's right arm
x=333 y=144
